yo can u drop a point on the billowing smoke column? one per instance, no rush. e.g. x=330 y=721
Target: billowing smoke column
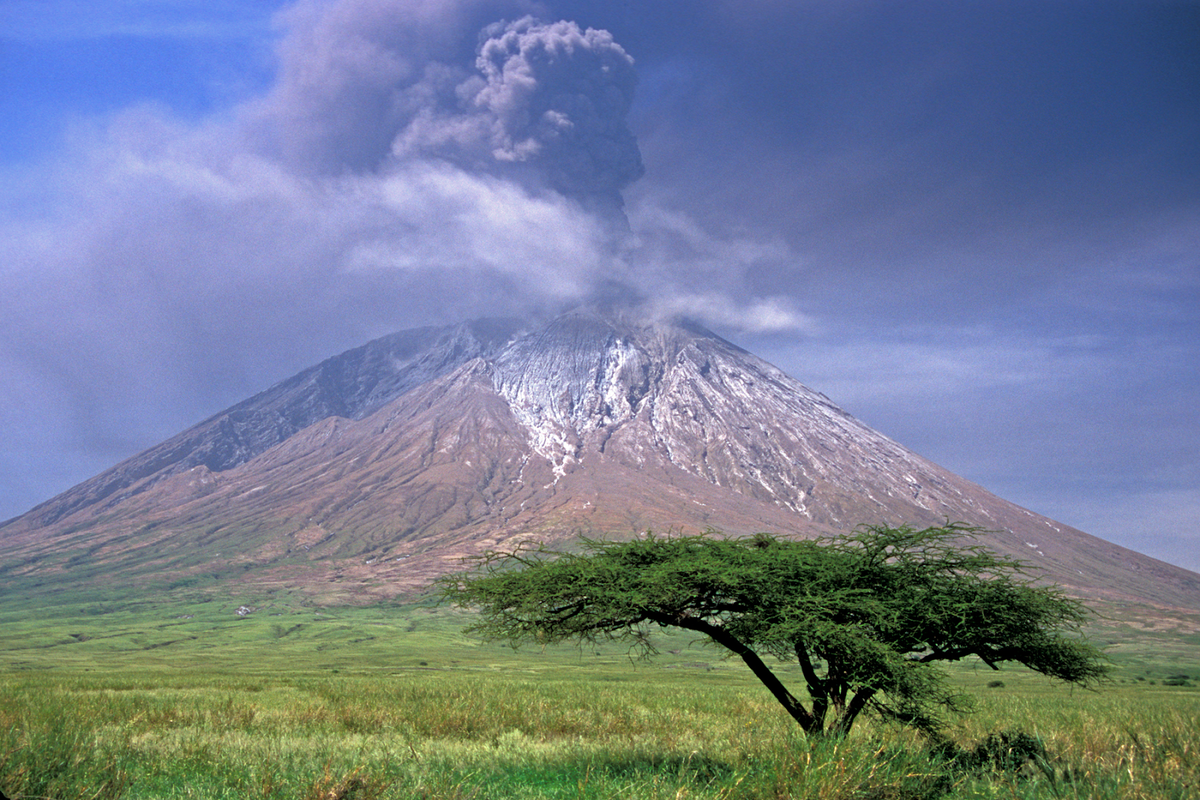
x=365 y=85
x=506 y=173
x=559 y=98
x=548 y=108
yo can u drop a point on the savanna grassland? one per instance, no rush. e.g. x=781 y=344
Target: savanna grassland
x=194 y=700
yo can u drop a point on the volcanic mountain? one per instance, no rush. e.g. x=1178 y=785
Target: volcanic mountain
x=367 y=475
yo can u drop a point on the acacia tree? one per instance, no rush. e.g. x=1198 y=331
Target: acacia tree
x=866 y=615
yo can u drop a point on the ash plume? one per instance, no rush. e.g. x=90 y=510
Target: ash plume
x=548 y=108
x=364 y=86
x=558 y=98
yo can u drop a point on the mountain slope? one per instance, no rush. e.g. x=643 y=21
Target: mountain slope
x=371 y=473
x=350 y=385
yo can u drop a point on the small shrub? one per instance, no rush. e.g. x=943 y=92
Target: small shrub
x=350 y=787
x=1005 y=751
x=1009 y=750
x=917 y=786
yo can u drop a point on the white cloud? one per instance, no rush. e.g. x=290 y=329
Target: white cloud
x=436 y=217
x=758 y=315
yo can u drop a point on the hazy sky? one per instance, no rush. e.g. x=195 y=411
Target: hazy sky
x=974 y=225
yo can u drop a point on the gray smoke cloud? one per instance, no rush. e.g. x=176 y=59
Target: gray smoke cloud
x=346 y=76
x=366 y=84
x=557 y=97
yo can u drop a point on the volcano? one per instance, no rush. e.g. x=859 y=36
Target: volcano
x=366 y=476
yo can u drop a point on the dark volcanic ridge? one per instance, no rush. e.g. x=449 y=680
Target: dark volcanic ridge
x=369 y=474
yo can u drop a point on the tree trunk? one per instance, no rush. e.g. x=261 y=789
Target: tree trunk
x=846 y=719
x=752 y=660
x=816 y=687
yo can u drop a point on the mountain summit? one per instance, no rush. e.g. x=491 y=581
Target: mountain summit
x=367 y=475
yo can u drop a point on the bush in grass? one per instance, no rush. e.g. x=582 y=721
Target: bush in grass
x=1003 y=751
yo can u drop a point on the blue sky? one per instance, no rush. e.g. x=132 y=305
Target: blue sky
x=976 y=226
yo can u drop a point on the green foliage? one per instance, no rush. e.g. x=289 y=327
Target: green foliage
x=865 y=616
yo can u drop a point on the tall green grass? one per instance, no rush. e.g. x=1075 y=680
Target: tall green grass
x=138 y=699
x=608 y=733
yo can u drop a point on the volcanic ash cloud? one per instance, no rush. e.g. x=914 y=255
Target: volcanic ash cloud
x=549 y=105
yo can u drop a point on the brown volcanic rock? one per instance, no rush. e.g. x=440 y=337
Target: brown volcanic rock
x=448 y=442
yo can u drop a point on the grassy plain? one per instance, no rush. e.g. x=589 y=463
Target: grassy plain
x=190 y=699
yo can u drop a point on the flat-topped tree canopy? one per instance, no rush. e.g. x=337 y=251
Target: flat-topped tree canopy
x=866 y=615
